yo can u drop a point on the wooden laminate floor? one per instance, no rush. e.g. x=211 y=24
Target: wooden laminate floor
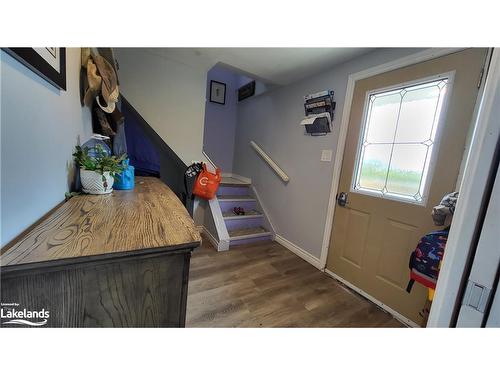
x=266 y=285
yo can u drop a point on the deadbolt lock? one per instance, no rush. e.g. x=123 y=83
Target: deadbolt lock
x=342 y=199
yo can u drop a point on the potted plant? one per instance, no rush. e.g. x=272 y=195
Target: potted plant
x=97 y=171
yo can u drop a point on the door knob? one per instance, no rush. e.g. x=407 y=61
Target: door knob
x=342 y=199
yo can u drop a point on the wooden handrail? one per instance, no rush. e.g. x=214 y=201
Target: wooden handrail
x=270 y=162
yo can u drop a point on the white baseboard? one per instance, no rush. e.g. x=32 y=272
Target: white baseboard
x=219 y=245
x=384 y=307
x=263 y=209
x=311 y=259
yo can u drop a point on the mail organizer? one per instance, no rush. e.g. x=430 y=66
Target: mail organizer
x=318 y=108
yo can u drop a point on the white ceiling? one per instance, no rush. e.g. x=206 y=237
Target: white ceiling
x=279 y=66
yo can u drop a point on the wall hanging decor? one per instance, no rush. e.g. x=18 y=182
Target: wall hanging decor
x=318 y=111
x=217 y=92
x=246 y=91
x=48 y=62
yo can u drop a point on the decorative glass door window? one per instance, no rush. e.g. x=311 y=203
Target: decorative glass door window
x=397 y=140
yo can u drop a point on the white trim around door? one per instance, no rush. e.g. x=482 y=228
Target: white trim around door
x=425 y=55
x=394 y=313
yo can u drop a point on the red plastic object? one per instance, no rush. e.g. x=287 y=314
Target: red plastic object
x=207 y=183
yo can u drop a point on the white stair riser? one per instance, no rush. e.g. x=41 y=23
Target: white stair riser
x=244 y=223
x=266 y=237
x=232 y=190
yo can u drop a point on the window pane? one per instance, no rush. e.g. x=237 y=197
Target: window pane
x=383 y=117
x=406 y=167
x=418 y=110
x=397 y=140
x=374 y=166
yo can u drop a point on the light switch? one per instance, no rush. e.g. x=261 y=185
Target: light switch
x=326 y=155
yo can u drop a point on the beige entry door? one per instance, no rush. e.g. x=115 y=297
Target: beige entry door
x=405 y=142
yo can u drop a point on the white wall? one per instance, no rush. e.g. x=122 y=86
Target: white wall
x=169 y=95
x=297 y=209
x=40 y=126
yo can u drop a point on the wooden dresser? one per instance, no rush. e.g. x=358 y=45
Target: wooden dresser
x=118 y=260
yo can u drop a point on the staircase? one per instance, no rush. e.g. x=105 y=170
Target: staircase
x=242 y=229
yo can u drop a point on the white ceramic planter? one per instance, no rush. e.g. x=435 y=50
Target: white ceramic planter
x=92 y=182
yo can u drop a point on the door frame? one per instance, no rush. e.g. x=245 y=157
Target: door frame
x=425 y=55
x=475 y=191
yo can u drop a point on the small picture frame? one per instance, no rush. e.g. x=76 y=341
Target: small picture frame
x=218 y=92
x=48 y=62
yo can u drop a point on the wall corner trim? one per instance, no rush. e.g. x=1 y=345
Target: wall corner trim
x=311 y=259
x=222 y=244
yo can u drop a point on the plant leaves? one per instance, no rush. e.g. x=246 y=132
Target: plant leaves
x=102 y=162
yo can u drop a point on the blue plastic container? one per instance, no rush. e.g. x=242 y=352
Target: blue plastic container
x=125 y=180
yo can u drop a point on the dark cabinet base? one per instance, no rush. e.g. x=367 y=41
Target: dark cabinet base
x=135 y=291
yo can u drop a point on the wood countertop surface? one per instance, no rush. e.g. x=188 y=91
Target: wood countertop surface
x=148 y=218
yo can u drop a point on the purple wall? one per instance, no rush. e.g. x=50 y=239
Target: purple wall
x=220 y=120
